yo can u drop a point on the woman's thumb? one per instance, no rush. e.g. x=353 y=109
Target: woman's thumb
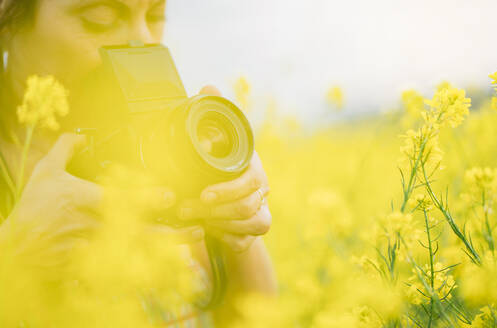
x=64 y=149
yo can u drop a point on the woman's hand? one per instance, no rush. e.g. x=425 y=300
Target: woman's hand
x=58 y=212
x=234 y=211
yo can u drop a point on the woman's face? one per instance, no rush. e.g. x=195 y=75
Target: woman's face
x=66 y=34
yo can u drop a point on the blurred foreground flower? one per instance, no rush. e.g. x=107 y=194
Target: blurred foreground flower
x=413 y=103
x=44 y=98
x=335 y=97
x=242 y=92
x=494 y=83
x=449 y=106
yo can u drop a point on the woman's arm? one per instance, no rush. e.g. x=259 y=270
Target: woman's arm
x=236 y=213
x=248 y=272
x=251 y=270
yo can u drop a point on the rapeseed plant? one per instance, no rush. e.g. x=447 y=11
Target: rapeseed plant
x=350 y=247
x=44 y=99
x=335 y=97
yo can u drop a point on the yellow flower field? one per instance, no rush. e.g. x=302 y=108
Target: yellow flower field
x=387 y=222
x=382 y=222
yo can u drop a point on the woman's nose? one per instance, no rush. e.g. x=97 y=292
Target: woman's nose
x=141 y=32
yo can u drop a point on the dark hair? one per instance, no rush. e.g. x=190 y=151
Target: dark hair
x=15 y=11
x=14 y=14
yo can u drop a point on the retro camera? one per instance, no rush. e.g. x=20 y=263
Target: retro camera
x=147 y=122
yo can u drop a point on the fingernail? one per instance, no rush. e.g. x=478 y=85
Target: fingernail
x=209 y=196
x=198 y=233
x=186 y=213
x=169 y=198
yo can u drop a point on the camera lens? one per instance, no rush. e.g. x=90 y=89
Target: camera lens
x=220 y=134
x=216 y=135
x=205 y=140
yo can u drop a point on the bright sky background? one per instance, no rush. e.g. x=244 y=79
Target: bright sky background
x=294 y=50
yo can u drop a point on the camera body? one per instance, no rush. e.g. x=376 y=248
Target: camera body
x=147 y=122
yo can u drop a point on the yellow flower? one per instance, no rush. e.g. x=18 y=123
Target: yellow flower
x=444 y=85
x=399 y=223
x=493 y=77
x=413 y=102
x=449 y=106
x=335 y=97
x=367 y=317
x=482 y=178
x=494 y=103
x=494 y=82
x=421 y=202
x=292 y=124
x=413 y=295
x=44 y=98
x=478 y=284
x=324 y=198
x=422 y=144
x=367 y=264
x=484 y=319
x=443 y=285
x=242 y=92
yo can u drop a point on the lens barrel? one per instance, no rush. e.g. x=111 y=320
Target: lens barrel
x=205 y=140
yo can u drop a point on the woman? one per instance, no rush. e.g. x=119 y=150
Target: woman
x=62 y=38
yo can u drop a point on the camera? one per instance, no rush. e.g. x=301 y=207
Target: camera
x=147 y=122
x=137 y=114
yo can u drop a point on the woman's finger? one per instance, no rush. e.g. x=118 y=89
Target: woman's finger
x=63 y=150
x=257 y=225
x=232 y=190
x=240 y=209
x=210 y=90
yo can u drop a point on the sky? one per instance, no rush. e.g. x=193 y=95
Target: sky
x=293 y=51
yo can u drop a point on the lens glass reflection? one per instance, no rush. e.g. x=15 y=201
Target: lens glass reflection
x=215 y=135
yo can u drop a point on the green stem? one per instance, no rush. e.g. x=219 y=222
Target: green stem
x=436 y=301
x=448 y=217
x=488 y=237
x=27 y=144
x=432 y=271
x=408 y=191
